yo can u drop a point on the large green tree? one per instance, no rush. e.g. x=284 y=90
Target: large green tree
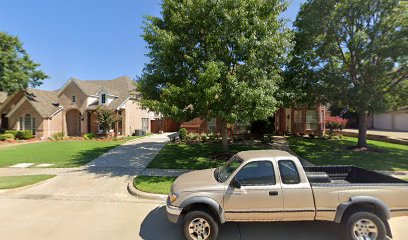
x=353 y=53
x=17 y=70
x=215 y=59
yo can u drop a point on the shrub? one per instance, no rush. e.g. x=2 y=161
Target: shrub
x=203 y=137
x=183 y=134
x=58 y=136
x=24 y=135
x=14 y=132
x=7 y=136
x=89 y=136
x=335 y=123
x=194 y=136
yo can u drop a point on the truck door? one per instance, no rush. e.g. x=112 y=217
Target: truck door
x=299 y=203
x=259 y=196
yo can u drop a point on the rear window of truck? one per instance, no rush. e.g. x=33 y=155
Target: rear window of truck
x=288 y=172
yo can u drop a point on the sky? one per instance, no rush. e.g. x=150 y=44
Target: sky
x=85 y=39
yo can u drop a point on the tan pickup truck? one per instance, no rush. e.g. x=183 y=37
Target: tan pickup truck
x=270 y=185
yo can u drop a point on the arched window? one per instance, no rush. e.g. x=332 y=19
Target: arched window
x=27 y=122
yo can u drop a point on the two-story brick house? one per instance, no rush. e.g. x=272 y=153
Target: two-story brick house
x=71 y=109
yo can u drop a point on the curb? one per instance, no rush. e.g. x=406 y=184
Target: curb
x=140 y=194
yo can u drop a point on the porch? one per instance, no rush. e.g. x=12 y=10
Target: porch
x=301 y=120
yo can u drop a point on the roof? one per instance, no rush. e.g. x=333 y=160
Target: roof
x=3 y=97
x=45 y=102
x=255 y=154
x=122 y=88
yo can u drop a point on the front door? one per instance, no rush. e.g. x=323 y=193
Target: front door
x=259 y=198
x=4 y=121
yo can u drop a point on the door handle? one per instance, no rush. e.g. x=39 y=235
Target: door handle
x=273 y=193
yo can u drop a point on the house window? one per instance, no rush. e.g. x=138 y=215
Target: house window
x=73 y=99
x=27 y=123
x=312 y=120
x=212 y=125
x=298 y=119
x=103 y=98
x=145 y=124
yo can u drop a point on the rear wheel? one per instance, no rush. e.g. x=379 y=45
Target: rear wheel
x=365 y=226
x=199 y=225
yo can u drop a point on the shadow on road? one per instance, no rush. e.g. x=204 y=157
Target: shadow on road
x=156 y=227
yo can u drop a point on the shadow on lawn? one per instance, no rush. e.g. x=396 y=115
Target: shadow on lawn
x=125 y=160
x=338 y=152
x=156 y=227
x=196 y=155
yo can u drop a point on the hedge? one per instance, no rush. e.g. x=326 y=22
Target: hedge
x=20 y=134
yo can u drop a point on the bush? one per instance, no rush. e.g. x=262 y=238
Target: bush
x=14 y=132
x=335 y=123
x=20 y=134
x=183 y=134
x=7 y=136
x=58 y=136
x=24 y=135
x=89 y=136
x=203 y=137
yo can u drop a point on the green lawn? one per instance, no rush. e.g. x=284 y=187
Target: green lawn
x=9 y=182
x=61 y=154
x=392 y=157
x=160 y=185
x=194 y=156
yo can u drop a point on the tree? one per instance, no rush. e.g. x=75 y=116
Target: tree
x=106 y=118
x=353 y=53
x=215 y=59
x=17 y=70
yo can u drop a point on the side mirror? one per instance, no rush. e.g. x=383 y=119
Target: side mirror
x=235 y=183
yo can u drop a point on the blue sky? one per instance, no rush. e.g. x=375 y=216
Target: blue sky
x=86 y=39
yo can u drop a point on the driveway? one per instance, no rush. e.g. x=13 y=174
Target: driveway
x=92 y=202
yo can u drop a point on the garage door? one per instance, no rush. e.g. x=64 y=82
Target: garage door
x=401 y=122
x=383 y=121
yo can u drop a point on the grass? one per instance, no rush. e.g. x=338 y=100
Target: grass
x=390 y=157
x=160 y=185
x=10 y=182
x=194 y=156
x=61 y=154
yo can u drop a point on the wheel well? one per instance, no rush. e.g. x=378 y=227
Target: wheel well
x=363 y=207
x=202 y=207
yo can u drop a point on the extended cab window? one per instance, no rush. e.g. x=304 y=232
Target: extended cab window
x=289 y=172
x=256 y=173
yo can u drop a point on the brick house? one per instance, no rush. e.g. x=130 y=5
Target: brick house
x=301 y=120
x=71 y=109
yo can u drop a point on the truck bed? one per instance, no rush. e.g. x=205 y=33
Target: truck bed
x=347 y=175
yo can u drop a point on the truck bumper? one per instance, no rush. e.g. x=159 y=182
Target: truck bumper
x=173 y=213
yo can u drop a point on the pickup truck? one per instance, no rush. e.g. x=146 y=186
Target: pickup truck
x=272 y=185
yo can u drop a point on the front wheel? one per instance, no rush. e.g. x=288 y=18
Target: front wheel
x=198 y=225
x=365 y=226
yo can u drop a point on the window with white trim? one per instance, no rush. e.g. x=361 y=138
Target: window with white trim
x=312 y=120
x=73 y=99
x=103 y=98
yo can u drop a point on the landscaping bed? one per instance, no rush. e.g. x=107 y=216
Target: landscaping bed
x=379 y=156
x=198 y=155
x=11 y=182
x=151 y=184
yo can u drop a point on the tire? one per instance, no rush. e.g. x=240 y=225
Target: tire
x=201 y=223
x=369 y=224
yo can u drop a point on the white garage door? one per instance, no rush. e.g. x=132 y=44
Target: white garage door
x=383 y=121
x=401 y=121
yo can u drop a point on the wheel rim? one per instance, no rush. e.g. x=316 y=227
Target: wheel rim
x=199 y=229
x=365 y=229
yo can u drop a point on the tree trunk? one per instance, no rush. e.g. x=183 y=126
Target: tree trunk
x=224 y=136
x=362 y=129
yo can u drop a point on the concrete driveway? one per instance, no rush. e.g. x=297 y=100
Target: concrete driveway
x=92 y=202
